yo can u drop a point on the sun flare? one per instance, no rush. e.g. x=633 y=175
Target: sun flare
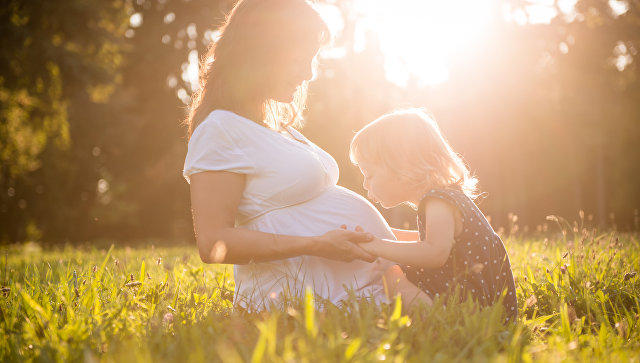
x=419 y=37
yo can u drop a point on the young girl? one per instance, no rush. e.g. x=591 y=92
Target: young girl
x=405 y=159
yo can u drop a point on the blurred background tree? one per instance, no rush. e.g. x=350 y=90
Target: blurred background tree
x=92 y=95
x=59 y=61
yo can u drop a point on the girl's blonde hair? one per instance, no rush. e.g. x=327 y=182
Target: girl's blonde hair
x=234 y=73
x=410 y=144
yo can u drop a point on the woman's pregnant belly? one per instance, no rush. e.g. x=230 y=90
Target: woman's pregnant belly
x=258 y=285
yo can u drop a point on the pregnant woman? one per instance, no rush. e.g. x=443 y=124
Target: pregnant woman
x=264 y=197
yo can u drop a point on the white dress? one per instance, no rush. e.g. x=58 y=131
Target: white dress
x=290 y=189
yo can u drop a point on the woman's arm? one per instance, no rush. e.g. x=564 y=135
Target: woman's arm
x=405 y=234
x=432 y=253
x=215 y=196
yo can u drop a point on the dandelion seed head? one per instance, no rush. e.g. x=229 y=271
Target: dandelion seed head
x=167 y=318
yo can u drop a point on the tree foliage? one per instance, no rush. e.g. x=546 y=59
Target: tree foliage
x=56 y=56
x=92 y=95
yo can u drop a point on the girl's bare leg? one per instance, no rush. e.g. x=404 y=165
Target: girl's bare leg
x=397 y=283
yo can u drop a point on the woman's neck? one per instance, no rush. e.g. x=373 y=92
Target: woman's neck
x=249 y=110
x=253 y=115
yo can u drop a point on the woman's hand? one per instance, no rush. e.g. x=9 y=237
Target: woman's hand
x=340 y=244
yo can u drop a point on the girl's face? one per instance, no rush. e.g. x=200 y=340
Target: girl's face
x=384 y=186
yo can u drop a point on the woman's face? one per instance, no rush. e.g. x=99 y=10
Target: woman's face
x=289 y=71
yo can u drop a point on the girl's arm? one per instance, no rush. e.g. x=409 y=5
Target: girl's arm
x=432 y=253
x=405 y=234
x=215 y=196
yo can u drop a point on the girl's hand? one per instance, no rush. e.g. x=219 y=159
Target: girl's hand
x=342 y=245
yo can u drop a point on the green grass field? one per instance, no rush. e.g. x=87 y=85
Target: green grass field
x=578 y=292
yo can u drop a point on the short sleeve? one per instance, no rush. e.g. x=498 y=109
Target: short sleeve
x=211 y=148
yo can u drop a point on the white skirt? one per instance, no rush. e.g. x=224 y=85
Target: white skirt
x=265 y=284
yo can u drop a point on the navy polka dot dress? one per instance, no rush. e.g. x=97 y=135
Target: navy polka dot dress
x=478 y=264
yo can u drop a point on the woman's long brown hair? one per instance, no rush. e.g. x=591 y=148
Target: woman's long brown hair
x=234 y=70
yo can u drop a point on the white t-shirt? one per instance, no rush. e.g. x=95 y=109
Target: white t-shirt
x=290 y=189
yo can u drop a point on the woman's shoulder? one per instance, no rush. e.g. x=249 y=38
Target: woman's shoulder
x=224 y=119
x=226 y=124
x=216 y=145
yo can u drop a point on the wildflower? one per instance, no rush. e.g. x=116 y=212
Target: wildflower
x=622 y=328
x=227 y=295
x=167 y=318
x=563 y=269
x=532 y=300
x=629 y=275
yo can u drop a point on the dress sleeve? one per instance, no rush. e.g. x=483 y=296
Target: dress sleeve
x=211 y=148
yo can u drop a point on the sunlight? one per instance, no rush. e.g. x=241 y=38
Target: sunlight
x=419 y=37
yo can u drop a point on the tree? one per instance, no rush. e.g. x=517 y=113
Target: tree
x=51 y=52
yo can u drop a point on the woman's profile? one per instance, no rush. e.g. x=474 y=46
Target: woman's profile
x=263 y=196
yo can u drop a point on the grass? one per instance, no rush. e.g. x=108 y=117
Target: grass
x=578 y=292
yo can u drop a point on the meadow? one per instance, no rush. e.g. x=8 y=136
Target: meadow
x=578 y=292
